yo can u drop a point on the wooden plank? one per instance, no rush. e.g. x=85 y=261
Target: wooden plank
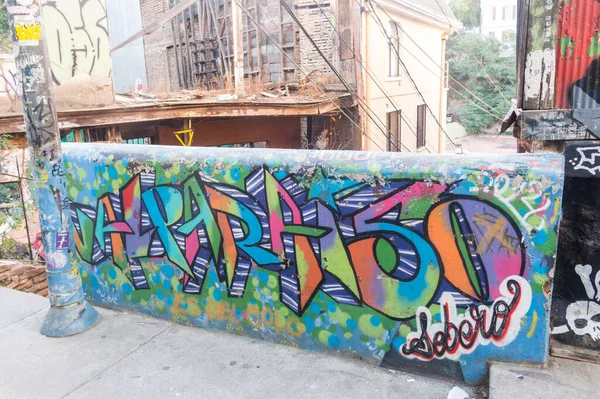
x=540 y=66
x=179 y=42
x=111 y=116
x=179 y=72
x=522 y=25
x=186 y=32
x=565 y=124
x=574 y=353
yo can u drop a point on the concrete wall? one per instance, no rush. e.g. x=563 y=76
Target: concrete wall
x=576 y=302
x=384 y=256
x=77 y=34
x=78 y=45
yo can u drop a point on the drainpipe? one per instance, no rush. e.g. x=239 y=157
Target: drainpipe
x=443 y=97
x=69 y=312
x=238 y=48
x=364 y=54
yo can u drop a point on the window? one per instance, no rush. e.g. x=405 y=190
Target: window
x=492 y=34
x=394 y=126
x=493 y=13
x=514 y=12
x=394 y=50
x=504 y=13
x=139 y=140
x=506 y=36
x=421 y=126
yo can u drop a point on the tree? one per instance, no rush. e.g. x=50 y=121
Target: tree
x=464 y=53
x=5 y=36
x=467 y=11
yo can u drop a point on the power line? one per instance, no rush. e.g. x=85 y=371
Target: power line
x=262 y=28
x=497 y=116
x=352 y=92
x=477 y=105
x=382 y=27
x=368 y=70
x=476 y=59
x=441 y=69
x=334 y=69
x=349 y=88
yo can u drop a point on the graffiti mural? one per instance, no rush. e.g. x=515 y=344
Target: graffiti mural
x=427 y=259
x=77 y=34
x=576 y=299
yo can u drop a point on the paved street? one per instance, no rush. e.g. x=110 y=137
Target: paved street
x=127 y=356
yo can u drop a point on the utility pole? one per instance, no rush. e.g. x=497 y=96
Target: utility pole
x=238 y=47
x=69 y=313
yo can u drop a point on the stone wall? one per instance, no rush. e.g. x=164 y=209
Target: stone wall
x=23 y=277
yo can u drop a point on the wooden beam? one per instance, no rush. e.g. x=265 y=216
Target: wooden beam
x=132 y=114
x=561 y=124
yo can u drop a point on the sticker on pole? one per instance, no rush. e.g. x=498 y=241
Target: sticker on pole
x=25 y=3
x=29 y=32
x=18 y=10
x=62 y=241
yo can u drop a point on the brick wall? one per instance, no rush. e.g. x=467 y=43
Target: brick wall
x=23 y=277
x=161 y=64
x=155 y=45
x=321 y=32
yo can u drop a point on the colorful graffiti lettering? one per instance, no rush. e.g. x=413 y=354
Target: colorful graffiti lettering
x=353 y=248
x=313 y=250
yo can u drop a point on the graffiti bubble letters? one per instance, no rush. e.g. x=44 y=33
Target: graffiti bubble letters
x=352 y=244
x=457 y=335
x=77 y=33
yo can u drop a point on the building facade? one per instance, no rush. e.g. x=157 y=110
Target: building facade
x=499 y=19
x=341 y=75
x=408 y=94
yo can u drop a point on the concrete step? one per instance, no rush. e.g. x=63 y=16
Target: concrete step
x=563 y=378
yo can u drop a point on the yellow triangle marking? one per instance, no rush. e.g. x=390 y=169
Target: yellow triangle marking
x=181 y=134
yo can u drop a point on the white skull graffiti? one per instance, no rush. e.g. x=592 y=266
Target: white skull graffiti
x=583 y=317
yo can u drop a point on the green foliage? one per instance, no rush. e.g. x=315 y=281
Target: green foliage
x=467 y=11
x=465 y=69
x=12 y=249
x=5 y=34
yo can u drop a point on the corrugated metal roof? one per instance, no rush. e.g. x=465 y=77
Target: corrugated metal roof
x=578 y=53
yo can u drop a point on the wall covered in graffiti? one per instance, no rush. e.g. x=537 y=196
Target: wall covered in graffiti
x=435 y=263
x=576 y=299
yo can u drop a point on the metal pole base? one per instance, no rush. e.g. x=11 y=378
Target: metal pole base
x=69 y=320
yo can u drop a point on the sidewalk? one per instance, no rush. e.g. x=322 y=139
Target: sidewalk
x=561 y=380
x=130 y=356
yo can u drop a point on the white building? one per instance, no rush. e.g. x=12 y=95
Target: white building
x=499 y=19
